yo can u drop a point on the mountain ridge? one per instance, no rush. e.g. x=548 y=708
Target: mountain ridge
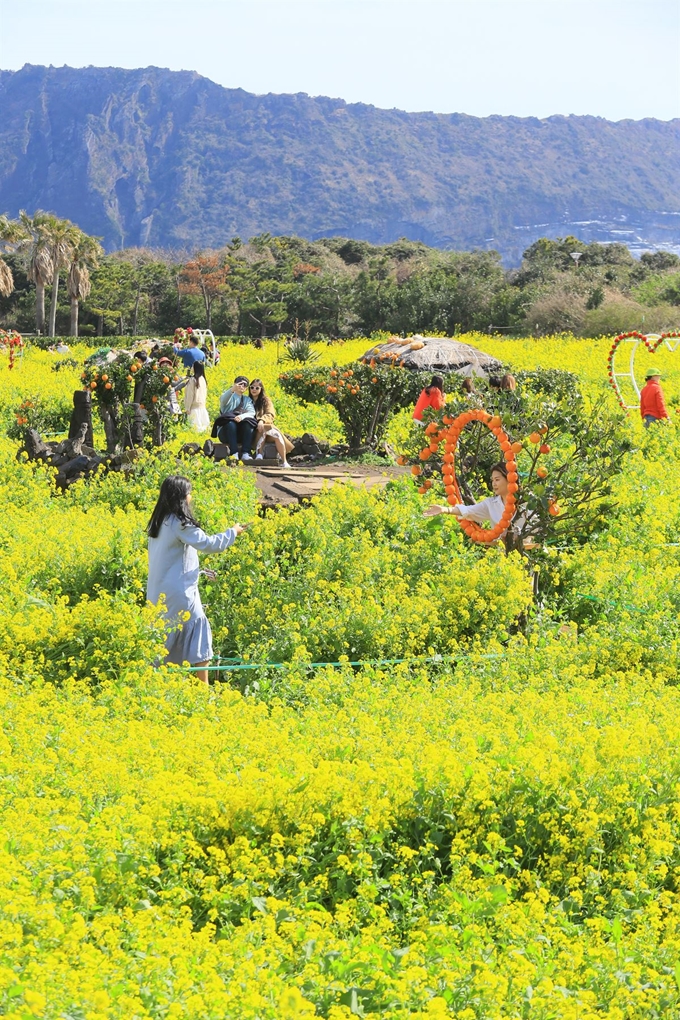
x=170 y=158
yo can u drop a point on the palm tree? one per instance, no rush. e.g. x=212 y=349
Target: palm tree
x=10 y=232
x=61 y=237
x=84 y=256
x=35 y=247
x=6 y=279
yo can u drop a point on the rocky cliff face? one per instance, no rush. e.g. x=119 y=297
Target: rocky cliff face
x=166 y=158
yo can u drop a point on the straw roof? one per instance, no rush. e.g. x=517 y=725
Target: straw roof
x=432 y=354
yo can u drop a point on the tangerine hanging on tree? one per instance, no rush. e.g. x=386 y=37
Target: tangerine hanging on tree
x=450 y=436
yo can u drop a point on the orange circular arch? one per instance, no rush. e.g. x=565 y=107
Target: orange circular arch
x=450 y=436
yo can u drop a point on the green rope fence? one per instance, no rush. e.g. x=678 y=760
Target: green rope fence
x=231 y=664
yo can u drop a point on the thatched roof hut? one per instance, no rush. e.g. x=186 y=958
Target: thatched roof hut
x=434 y=354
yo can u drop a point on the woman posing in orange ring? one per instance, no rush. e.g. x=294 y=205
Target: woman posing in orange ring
x=489 y=509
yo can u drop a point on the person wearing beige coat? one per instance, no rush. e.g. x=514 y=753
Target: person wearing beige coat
x=266 y=430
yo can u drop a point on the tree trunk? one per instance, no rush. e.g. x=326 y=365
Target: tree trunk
x=53 y=303
x=136 y=311
x=100 y=325
x=40 y=307
x=157 y=436
x=134 y=426
x=110 y=428
x=74 y=316
x=208 y=309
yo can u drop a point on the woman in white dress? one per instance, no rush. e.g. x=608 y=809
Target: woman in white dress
x=195 y=396
x=490 y=509
x=175 y=539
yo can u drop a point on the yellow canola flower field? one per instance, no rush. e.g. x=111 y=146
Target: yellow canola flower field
x=487 y=831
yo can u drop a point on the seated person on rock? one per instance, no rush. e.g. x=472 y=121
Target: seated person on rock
x=237 y=421
x=266 y=430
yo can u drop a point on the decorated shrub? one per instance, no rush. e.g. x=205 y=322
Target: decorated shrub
x=160 y=420
x=44 y=414
x=365 y=396
x=111 y=383
x=12 y=342
x=566 y=455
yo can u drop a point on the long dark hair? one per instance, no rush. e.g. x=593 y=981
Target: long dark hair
x=262 y=396
x=437 y=382
x=172 y=499
x=199 y=370
x=501 y=467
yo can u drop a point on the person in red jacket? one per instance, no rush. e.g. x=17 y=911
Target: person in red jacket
x=652 y=404
x=432 y=396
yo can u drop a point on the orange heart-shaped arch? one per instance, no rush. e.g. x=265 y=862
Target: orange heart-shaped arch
x=652 y=344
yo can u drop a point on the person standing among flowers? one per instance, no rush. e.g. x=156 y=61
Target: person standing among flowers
x=191 y=354
x=652 y=403
x=195 y=396
x=432 y=396
x=175 y=539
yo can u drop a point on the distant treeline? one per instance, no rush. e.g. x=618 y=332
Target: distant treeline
x=333 y=287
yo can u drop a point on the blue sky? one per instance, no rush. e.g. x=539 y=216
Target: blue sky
x=523 y=57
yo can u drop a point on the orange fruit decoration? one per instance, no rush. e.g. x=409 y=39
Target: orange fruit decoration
x=401 y=461
x=431 y=429
x=107 y=386
x=425 y=454
x=544 y=448
x=535 y=437
x=553 y=508
x=422 y=489
x=416 y=469
x=542 y=472
x=450 y=437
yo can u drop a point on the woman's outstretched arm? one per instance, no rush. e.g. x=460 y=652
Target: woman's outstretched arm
x=197 y=538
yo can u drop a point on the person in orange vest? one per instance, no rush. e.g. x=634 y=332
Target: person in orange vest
x=652 y=404
x=432 y=396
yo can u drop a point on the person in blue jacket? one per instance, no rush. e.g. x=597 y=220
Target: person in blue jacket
x=237 y=421
x=175 y=539
x=191 y=354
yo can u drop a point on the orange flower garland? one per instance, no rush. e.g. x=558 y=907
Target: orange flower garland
x=450 y=435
